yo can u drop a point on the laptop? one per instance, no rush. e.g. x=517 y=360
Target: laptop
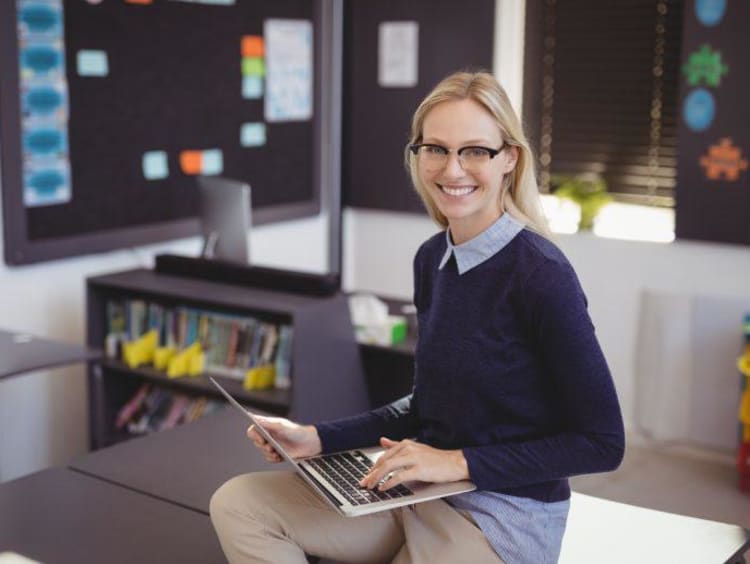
x=335 y=477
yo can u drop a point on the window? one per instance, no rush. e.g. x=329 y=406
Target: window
x=601 y=93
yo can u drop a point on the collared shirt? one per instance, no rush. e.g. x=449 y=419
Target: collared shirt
x=519 y=529
x=477 y=250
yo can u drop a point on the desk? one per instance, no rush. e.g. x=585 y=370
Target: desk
x=21 y=352
x=184 y=465
x=61 y=516
x=600 y=530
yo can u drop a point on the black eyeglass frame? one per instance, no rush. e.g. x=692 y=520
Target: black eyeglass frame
x=492 y=152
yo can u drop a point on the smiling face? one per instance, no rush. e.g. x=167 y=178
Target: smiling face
x=469 y=200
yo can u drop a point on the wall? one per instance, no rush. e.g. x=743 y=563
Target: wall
x=43 y=415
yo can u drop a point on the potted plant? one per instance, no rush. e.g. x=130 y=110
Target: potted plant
x=589 y=191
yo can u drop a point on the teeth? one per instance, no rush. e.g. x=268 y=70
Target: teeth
x=457 y=191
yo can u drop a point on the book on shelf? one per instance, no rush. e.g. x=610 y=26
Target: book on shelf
x=233 y=345
x=284 y=358
x=156 y=409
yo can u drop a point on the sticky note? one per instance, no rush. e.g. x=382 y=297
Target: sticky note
x=252 y=46
x=92 y=63
x=252 y=87
x=144 y=2
x=190 y=162
x=253 y=66
x=253 y=134
x=155 y=165
x=212 y=162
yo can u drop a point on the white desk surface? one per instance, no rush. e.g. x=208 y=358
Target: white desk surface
x=600 y=530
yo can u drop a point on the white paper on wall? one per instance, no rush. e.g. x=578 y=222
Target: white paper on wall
x=289 y=70
x=398 y=51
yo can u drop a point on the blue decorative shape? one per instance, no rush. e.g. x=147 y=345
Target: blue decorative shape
x=44 y=142
x=699 y=109
x=43 y=100
x=45 y=185
x=710 y=12
x=40 y=18
x=41 y=58
x=46 y=182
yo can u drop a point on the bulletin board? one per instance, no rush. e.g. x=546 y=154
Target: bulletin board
x=110 y=109
x=395 y=52
x=713 y=176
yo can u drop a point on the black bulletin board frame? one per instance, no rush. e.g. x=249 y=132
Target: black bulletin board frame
x=376 y=120
x=20 y=249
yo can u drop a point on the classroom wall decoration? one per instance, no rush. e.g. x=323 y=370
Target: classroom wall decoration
x=713 y=181
x=110 y=109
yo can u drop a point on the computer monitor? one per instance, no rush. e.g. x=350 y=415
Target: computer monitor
x=225 y=218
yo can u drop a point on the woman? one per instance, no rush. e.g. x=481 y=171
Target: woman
x=511 y=388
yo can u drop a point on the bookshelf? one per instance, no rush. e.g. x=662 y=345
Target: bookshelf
x=326 y=377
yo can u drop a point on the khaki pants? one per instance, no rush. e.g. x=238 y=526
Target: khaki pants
x=275 y=517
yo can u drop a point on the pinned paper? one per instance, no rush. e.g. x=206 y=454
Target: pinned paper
x=289 y=70
x=252 y=87
x=253 y=134
x=398 y=48
x=252 y=46
x=155 y=165
x=190 y=162
x=212 y=162
x=253 y=66
x=92 y=63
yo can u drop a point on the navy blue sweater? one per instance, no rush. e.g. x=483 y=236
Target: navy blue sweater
x=508 y=368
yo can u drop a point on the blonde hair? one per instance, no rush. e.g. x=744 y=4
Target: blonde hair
x=519 y=195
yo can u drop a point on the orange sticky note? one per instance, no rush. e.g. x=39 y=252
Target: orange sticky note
x=190 y=162
x=252 y=46
x=139 y=1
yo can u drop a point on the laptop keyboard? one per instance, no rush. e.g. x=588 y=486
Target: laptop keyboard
x=344 y=470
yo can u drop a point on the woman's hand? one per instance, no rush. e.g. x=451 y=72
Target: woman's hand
x=298 y=440
x=407 y=460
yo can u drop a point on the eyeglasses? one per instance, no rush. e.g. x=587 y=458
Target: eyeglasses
x=471 y=158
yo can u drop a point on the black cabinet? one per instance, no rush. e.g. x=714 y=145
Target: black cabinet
x=327 y=379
